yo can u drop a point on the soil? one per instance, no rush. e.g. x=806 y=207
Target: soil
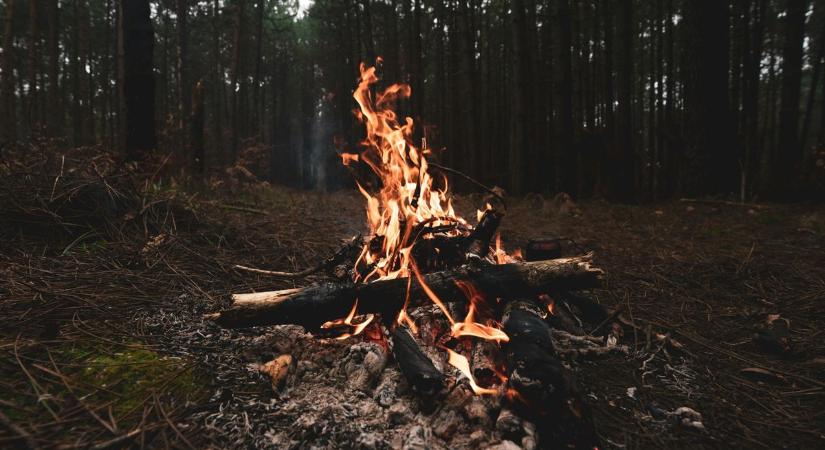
x=105 y=277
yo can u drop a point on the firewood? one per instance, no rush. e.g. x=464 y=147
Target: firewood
x=316 y=304
x=414 y=364
x=539 y=385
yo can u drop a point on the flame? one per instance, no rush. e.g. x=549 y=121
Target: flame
x=357 y=328
x=407 y=197
x=469 y=327
x=549 y=302
x=348 y=158
x=460 y=362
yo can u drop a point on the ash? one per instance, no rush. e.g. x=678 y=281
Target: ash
x=342 y=394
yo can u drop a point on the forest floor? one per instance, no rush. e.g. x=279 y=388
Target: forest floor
x=105 y=276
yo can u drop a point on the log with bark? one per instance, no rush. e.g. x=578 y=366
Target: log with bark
x=320 y=303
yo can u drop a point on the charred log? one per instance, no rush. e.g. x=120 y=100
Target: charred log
x=541 y=388
x=314 y=305
x=478 y=243
x=414 y=364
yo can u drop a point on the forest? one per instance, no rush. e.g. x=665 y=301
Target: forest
x=592 y=98
x=412 y=224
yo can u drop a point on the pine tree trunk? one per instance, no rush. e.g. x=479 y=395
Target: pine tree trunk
x=31 y=96
x=518 y=136
x=565 y=160
x=184 y=88
x=788 y=156
x=710 y=166
x=54 y=113
x=234 y=88
x=9 y=128
x=622 y=156
x=138 y=78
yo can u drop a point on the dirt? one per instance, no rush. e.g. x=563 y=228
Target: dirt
x=706 y=276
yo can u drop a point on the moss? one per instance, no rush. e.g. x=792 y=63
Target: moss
x=124 y=377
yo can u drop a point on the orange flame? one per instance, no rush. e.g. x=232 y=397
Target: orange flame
x=460 y=362
x=357 y=327
x=470 y=327
x=407 y=199
x=407 y=196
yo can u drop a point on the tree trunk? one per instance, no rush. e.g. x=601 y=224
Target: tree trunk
x=54 y=113
x=236 y=68
x=518 y=87
x=256 y=81
x=710 y=165
x=196 y=137
x=622 y=160
x=818 y=54
x=31 y=96
x=787 y=157
x=138 y=78
x=9 y=128
x=565 y=161
x=184 y=100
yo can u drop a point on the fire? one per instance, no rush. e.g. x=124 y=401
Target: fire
x=357 y=328
x=408 y=199
x=470 y=327
x=460 y=362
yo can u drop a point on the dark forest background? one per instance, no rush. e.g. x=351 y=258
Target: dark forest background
x=630 y=100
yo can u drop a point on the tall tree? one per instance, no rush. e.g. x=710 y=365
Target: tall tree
x=711 y=165
x=53 y=111
x=565 y=160
x=184 y=88
x=621 y=158
x=788 y=157
x=235 y=71
x=138 y=77
x=10 y=123
x=519 y=92
x=31 y=95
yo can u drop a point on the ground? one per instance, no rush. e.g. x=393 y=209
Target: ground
x=105 y=275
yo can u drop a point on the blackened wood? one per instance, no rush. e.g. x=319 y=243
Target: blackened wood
x=545 y=391
x=414 y=364
x=314 y=305
x=478 y=243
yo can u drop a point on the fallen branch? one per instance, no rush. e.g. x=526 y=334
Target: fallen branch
x=316 y=304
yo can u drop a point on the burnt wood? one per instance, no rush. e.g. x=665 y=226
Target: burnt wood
x=417 y=368
x=545 y=391
x=316 y=304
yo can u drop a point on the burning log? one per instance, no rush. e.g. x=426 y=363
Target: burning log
x=317 y=304
x=478 y=243
x=540 y=387
x=414 y=364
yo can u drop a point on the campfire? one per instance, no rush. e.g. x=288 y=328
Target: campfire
x=424 y=274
